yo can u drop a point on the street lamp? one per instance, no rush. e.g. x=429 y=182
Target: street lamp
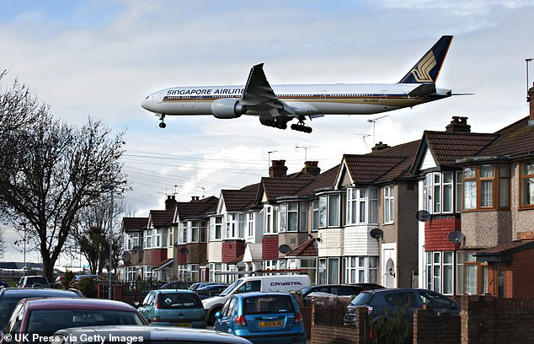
x=110 y=188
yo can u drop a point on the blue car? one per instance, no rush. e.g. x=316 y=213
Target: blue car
x=262 y=318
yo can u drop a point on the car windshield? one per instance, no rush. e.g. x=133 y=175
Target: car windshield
x=363 y=299
x=36 y=280
x=231 y=287
x=47 y=321
x=267 y=304
x=178 y=300
x=6 y=308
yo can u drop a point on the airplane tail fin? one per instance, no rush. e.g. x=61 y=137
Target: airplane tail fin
x=427 y=69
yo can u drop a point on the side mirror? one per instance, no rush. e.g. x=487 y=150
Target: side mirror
x=217 y=315
x=137 y=304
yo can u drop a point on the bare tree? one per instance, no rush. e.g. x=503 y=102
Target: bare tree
x=55 y=171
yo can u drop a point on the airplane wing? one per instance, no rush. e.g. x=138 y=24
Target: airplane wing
x=259 y=98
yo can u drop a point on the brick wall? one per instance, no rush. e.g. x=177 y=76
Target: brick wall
x=157 y=256
x=231 y=250
x=270 y=247
x=429 y=328
x=197 y=253
x=490 y=320
x=437 y=230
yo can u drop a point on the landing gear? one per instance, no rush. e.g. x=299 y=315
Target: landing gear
x=300 y=126
x=162 y=125
x=277 y=122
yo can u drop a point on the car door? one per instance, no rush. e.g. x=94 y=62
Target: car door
x=144 y=307
x=225 y=321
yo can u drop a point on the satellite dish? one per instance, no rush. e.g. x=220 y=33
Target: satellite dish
x=284 y=249
x=456 y=237
x=376 y=233
x=184 y=250
x=423 y=216
x=126 y=256
x=136 y=248
x=240 y=264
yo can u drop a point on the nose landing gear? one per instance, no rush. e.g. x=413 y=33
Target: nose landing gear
x=162 y=124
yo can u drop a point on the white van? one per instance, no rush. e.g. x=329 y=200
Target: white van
x=279 y=283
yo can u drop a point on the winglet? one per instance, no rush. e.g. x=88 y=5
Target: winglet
x=427 y=69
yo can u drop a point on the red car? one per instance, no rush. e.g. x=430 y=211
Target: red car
x=46 y=316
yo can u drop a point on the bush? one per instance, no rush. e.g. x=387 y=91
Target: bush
x=88 y=287
x=394 y=328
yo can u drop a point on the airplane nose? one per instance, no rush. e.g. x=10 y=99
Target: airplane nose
x=145 y=104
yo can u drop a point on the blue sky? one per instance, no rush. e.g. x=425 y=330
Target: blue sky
x=100 y=59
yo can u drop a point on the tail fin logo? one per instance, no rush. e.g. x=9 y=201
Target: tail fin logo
x=421 y=72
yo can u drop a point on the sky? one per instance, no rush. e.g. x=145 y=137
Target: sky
x=100 y=58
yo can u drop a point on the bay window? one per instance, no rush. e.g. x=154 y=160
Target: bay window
x=439 y=271
x=203 y=231
x=333 y=210
x=241 y=226
x=194 y=231
x=361 y=269
x=459 y=199
x=487 y=187
x=292 y=216
x=362 y=206
x=438 y=191
x=315 y=215
x=471 y=276
x=230 y=225
x=352 y=206
x=527 y=184
x=250 y=224
x=215 y=228
x=271 y=221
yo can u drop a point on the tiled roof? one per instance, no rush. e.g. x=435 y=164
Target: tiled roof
x=134 y=224
x=239 y=200
x=324 y=180
x=515 y=139
x=306 y=249
x=278 y=187
x=161 y=218
x=197 y=207
x=367 y=169
x=400 y=171
x=449 y=146
x=505 y=248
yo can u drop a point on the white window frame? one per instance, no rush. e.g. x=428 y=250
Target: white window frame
x=324 y=210
x=389 y=205
x=316 y=217
x=230 y=225
x=436 y=181
x=363 y=269
x=216 y=222
x=437 y=282
x=271 y=219
x=250 y=224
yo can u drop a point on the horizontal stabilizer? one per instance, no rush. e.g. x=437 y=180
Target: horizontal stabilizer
x=428 y=67
x=423 y=90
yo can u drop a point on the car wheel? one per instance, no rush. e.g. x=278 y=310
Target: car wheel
x=211 y=319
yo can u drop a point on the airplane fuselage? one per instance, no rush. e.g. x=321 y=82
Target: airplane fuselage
x=306 y=100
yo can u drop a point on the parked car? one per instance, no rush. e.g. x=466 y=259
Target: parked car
x=262 y=318
x=3 y=284
x=33 y=282
x=381 y=302
x=348 y=290
x=210 y=290
x=175 y=285
x=46 y=316
x=278 y=283
x=9 y=297
x=173 y=307
x=158 y=335
x=199 y=285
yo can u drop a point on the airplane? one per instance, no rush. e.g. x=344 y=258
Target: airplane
x=277 y=105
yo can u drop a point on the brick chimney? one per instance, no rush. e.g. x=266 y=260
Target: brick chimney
x=530 y=99
x=458 y=125
x=195 y=198
x=170 y=202
x=278 y=169
x=379 y=146
x=311 y=168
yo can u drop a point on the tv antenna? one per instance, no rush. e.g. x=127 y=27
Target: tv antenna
x=203 y=191
x=373 y=122
x=364 y=136
x=269 y=158
x=305 y=150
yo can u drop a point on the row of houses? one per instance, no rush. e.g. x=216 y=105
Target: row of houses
x=452 y=212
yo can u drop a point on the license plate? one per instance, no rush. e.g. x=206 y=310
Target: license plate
x=271 y=323
x=182 y=324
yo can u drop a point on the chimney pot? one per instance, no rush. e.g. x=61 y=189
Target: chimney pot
x=458 y=125
x=379 y=146
x=311 y=168
x=278 y=169
x=170 y=202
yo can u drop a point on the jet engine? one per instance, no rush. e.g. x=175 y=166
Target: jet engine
x=227 y=108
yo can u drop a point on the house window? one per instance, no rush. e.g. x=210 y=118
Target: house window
x=311 y=268
x=333 y=270
x=352 y=205
x=361 y=269
x=215 y=270
x=170 y=237
x=459 y=191
x=471 y=276
x=271 y=223
x=373 y=206
x=333 y=210
x=216 y=227
x=250 y=224
x=187 y=230
x=438 y=192
x=315 y=215
x=439 y=271
x=292 y=216
x=203 y=231
x=193 y=272
x=527 y=184
x=389 y=205
x=242 y=223
x=321 y=279
x=194 y=231
x=448 y=181
x=303 y=216
x=485 y=188
x=230 y=226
